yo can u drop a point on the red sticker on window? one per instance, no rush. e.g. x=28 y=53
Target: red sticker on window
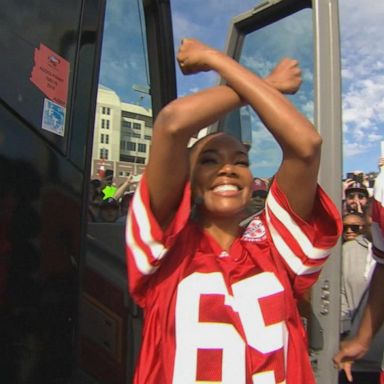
x=50 y=74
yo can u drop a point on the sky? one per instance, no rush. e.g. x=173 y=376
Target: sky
x=362 y=63
x=362 y=52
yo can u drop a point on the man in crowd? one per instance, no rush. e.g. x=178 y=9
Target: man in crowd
x=357 y=267
x=373 y=316
x=356 y=196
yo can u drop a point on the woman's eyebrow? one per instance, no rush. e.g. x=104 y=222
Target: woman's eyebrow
x=215 y=151
x=208 y=151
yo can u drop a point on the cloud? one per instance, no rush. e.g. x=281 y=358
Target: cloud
x=206 y=19
x=363 y=106
x=362 y=75
x=257 y=64
x=353 y=149
x=184 y=26
x=123 y=61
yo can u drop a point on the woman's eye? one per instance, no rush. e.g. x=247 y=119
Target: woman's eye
x=208 y=160
x=244 y=163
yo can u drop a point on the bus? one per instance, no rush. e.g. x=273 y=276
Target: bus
x=65 y=312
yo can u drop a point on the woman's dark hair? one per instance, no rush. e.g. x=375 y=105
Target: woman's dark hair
x=200 y=140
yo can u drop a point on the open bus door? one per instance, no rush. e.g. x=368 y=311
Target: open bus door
x=306 y=30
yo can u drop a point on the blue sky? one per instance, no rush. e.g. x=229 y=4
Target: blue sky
x=361 y=26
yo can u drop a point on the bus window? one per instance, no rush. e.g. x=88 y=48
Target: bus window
x=110 y=324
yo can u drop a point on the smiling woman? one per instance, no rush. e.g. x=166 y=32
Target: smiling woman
x=195 y=279
x=228 y=193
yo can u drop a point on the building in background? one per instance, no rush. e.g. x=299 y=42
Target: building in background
x=122 y=136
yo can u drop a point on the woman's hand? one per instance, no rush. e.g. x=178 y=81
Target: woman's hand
x=193 y=56
x=286 y=76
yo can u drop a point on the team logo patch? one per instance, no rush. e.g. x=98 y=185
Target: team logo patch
x=255 y=231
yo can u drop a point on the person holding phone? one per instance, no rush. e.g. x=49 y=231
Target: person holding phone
x=372 y=319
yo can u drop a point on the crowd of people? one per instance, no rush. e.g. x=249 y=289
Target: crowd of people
x=109 y=203
x=357 y=268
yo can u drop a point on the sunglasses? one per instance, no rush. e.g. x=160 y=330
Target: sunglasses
x=262 y=194
x=355 y=228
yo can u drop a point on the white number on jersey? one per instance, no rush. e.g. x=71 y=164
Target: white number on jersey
x=192 y=335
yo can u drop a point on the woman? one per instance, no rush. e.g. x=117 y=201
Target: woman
x=220 y=300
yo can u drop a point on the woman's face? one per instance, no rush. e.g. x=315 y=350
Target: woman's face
x=220 y=176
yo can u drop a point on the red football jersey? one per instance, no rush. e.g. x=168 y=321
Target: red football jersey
x=212 y=316
x=377 y=227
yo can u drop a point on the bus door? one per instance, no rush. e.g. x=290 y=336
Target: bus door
x=50 y=59
x=306 y=30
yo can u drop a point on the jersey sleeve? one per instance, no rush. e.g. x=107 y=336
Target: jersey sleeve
x=303 y=245
x=378 y=219
x=146 y=242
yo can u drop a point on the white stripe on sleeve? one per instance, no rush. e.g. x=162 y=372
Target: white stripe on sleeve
x=157 y=249
x=294 y=262
x=305 y=244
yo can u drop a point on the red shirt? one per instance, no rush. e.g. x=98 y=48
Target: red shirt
x=377 y=227
x=226 y=317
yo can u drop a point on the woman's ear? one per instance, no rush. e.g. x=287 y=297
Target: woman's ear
x=196 y=201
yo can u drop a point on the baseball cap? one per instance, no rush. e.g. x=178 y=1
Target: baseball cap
x=357 y=187
x=109 y=202
x=259 y=187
